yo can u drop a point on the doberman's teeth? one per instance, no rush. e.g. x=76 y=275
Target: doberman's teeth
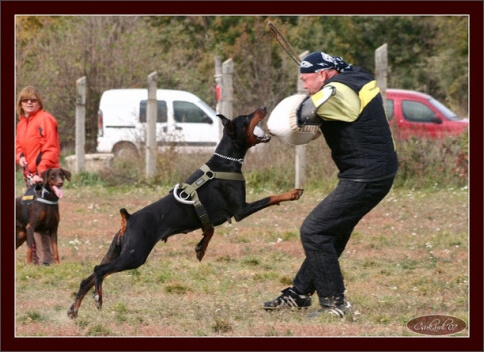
x=259 y=132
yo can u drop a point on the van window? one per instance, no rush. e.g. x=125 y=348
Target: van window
x=187 y=112
x=161 y=107
x=389 y=106
x=417 y=112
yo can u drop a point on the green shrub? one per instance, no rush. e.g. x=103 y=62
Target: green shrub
x=432 y=163
x=423 y=163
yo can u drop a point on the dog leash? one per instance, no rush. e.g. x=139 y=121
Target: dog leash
x=188 y=194
x=27 y=177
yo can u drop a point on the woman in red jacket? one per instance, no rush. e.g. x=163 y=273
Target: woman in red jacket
x=37 y=140
x=37 y=149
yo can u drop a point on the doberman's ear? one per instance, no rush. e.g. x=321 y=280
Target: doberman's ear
x=228 y=125
x=223 y=118
x=67 y=174
x=45 y=175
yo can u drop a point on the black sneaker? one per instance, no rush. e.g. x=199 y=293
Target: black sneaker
x=288 y=299
x=338 y=310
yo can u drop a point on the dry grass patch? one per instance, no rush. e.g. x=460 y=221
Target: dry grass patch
x=408 y=257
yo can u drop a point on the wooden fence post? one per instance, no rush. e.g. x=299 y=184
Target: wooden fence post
x=226 y=105
x=300 y=157
x=151 y=117
x=80 y=124
x=381 y=69
x=218 y=91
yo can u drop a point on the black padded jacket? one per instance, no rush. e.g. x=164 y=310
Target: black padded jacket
x=363 y=150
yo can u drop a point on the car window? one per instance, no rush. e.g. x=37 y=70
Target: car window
x=444 y=110
x=187 y=112
x=161 y=107
x=389 y=106
x=417 y=112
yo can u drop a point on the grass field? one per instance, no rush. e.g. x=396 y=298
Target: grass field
x=406 y=258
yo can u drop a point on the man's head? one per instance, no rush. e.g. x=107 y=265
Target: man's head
x=317 y=67
x=318 y=61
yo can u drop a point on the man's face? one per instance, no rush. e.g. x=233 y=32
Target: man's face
x=313 y=82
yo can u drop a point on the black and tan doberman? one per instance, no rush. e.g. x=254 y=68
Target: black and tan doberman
x=211 y=196
x=38 y=210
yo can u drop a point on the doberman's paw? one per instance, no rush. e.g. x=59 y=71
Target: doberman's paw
x=98 y=300
x=297 y=193
x=72 y=313
x=201 y=247
x=200 y=256
x=200 y=252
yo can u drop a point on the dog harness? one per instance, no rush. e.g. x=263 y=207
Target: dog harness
x=188 y=194
x=31 y=196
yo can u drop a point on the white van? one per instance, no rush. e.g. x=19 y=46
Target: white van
x=184 y=122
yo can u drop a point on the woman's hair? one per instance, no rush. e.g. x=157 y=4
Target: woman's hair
x=28 y=93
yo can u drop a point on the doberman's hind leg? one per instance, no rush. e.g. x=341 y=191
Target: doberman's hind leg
x=90 y=281
x=98 y=292
x=85 y=286
x=201 y=247
x=111 y=255
x=127 y=259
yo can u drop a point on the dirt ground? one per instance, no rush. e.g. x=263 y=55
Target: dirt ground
x=409 y=229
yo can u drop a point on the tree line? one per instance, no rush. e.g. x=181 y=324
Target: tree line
x=425 y=53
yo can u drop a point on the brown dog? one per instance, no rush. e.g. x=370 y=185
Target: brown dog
x=38 y=210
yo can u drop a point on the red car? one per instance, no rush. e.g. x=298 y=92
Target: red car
x=412 y=113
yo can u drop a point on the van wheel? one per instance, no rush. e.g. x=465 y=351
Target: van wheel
x=125 y=151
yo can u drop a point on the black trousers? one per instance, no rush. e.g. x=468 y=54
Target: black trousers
x=325 y=232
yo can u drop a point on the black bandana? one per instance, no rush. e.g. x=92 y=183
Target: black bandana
x=318 y=61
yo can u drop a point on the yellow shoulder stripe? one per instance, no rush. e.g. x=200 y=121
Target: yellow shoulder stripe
x=323 y=95
x=367 y=93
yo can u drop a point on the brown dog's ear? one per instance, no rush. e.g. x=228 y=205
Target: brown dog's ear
x=45 y=175
x=67 y=174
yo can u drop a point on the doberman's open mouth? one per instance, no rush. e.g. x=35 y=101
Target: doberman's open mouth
x=261 y=136
x=258 y=132
x=58 y=191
